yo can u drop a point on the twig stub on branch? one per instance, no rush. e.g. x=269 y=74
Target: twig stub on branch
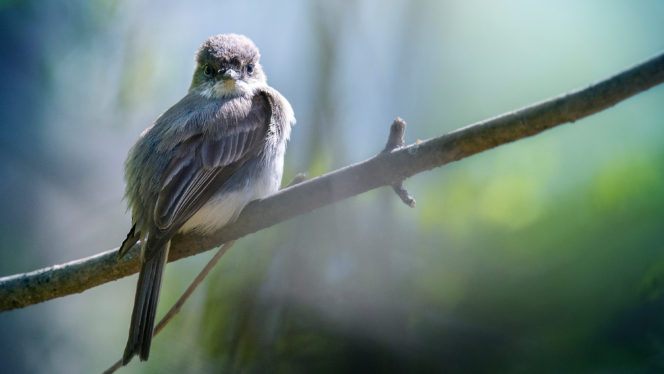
x=396 y=138
x=395 y=141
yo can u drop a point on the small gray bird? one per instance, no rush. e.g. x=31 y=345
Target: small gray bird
x=200 y=163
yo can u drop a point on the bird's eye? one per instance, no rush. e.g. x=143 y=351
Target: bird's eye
x=250 y=68
x=207 y=70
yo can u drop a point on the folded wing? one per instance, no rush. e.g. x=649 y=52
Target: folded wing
x=204 y=162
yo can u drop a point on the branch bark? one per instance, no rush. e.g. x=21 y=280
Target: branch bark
x=385 y=169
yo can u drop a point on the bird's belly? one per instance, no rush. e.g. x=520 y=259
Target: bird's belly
x=253 y=181
x=217 y=212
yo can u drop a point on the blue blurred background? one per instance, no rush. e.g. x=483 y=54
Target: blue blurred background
x=545 y=255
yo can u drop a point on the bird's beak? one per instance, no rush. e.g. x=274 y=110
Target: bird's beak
x=229 y=73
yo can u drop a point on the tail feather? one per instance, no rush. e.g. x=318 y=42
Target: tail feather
x=145 y=306
x=128 y=243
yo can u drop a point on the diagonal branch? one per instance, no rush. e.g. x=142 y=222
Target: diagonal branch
x=384 y=169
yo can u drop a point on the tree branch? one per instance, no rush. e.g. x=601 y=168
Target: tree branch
x=385 y=169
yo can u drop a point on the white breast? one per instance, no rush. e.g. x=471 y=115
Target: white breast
x=226 y=207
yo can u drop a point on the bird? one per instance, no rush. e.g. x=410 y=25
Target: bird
x=200 y=163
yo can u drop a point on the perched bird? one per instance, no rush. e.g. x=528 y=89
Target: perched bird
x=200 y=163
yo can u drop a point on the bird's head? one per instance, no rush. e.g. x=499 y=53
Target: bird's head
x=227 y=65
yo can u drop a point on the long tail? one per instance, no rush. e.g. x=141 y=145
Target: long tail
x=145 y=306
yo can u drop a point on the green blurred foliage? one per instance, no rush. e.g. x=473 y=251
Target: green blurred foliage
x=575 y=288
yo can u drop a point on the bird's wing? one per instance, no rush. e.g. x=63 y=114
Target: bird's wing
x=204 y=162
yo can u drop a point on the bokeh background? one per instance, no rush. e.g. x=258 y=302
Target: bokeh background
x=544 y=255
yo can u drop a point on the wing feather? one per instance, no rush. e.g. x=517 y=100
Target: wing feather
x=204 y=162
